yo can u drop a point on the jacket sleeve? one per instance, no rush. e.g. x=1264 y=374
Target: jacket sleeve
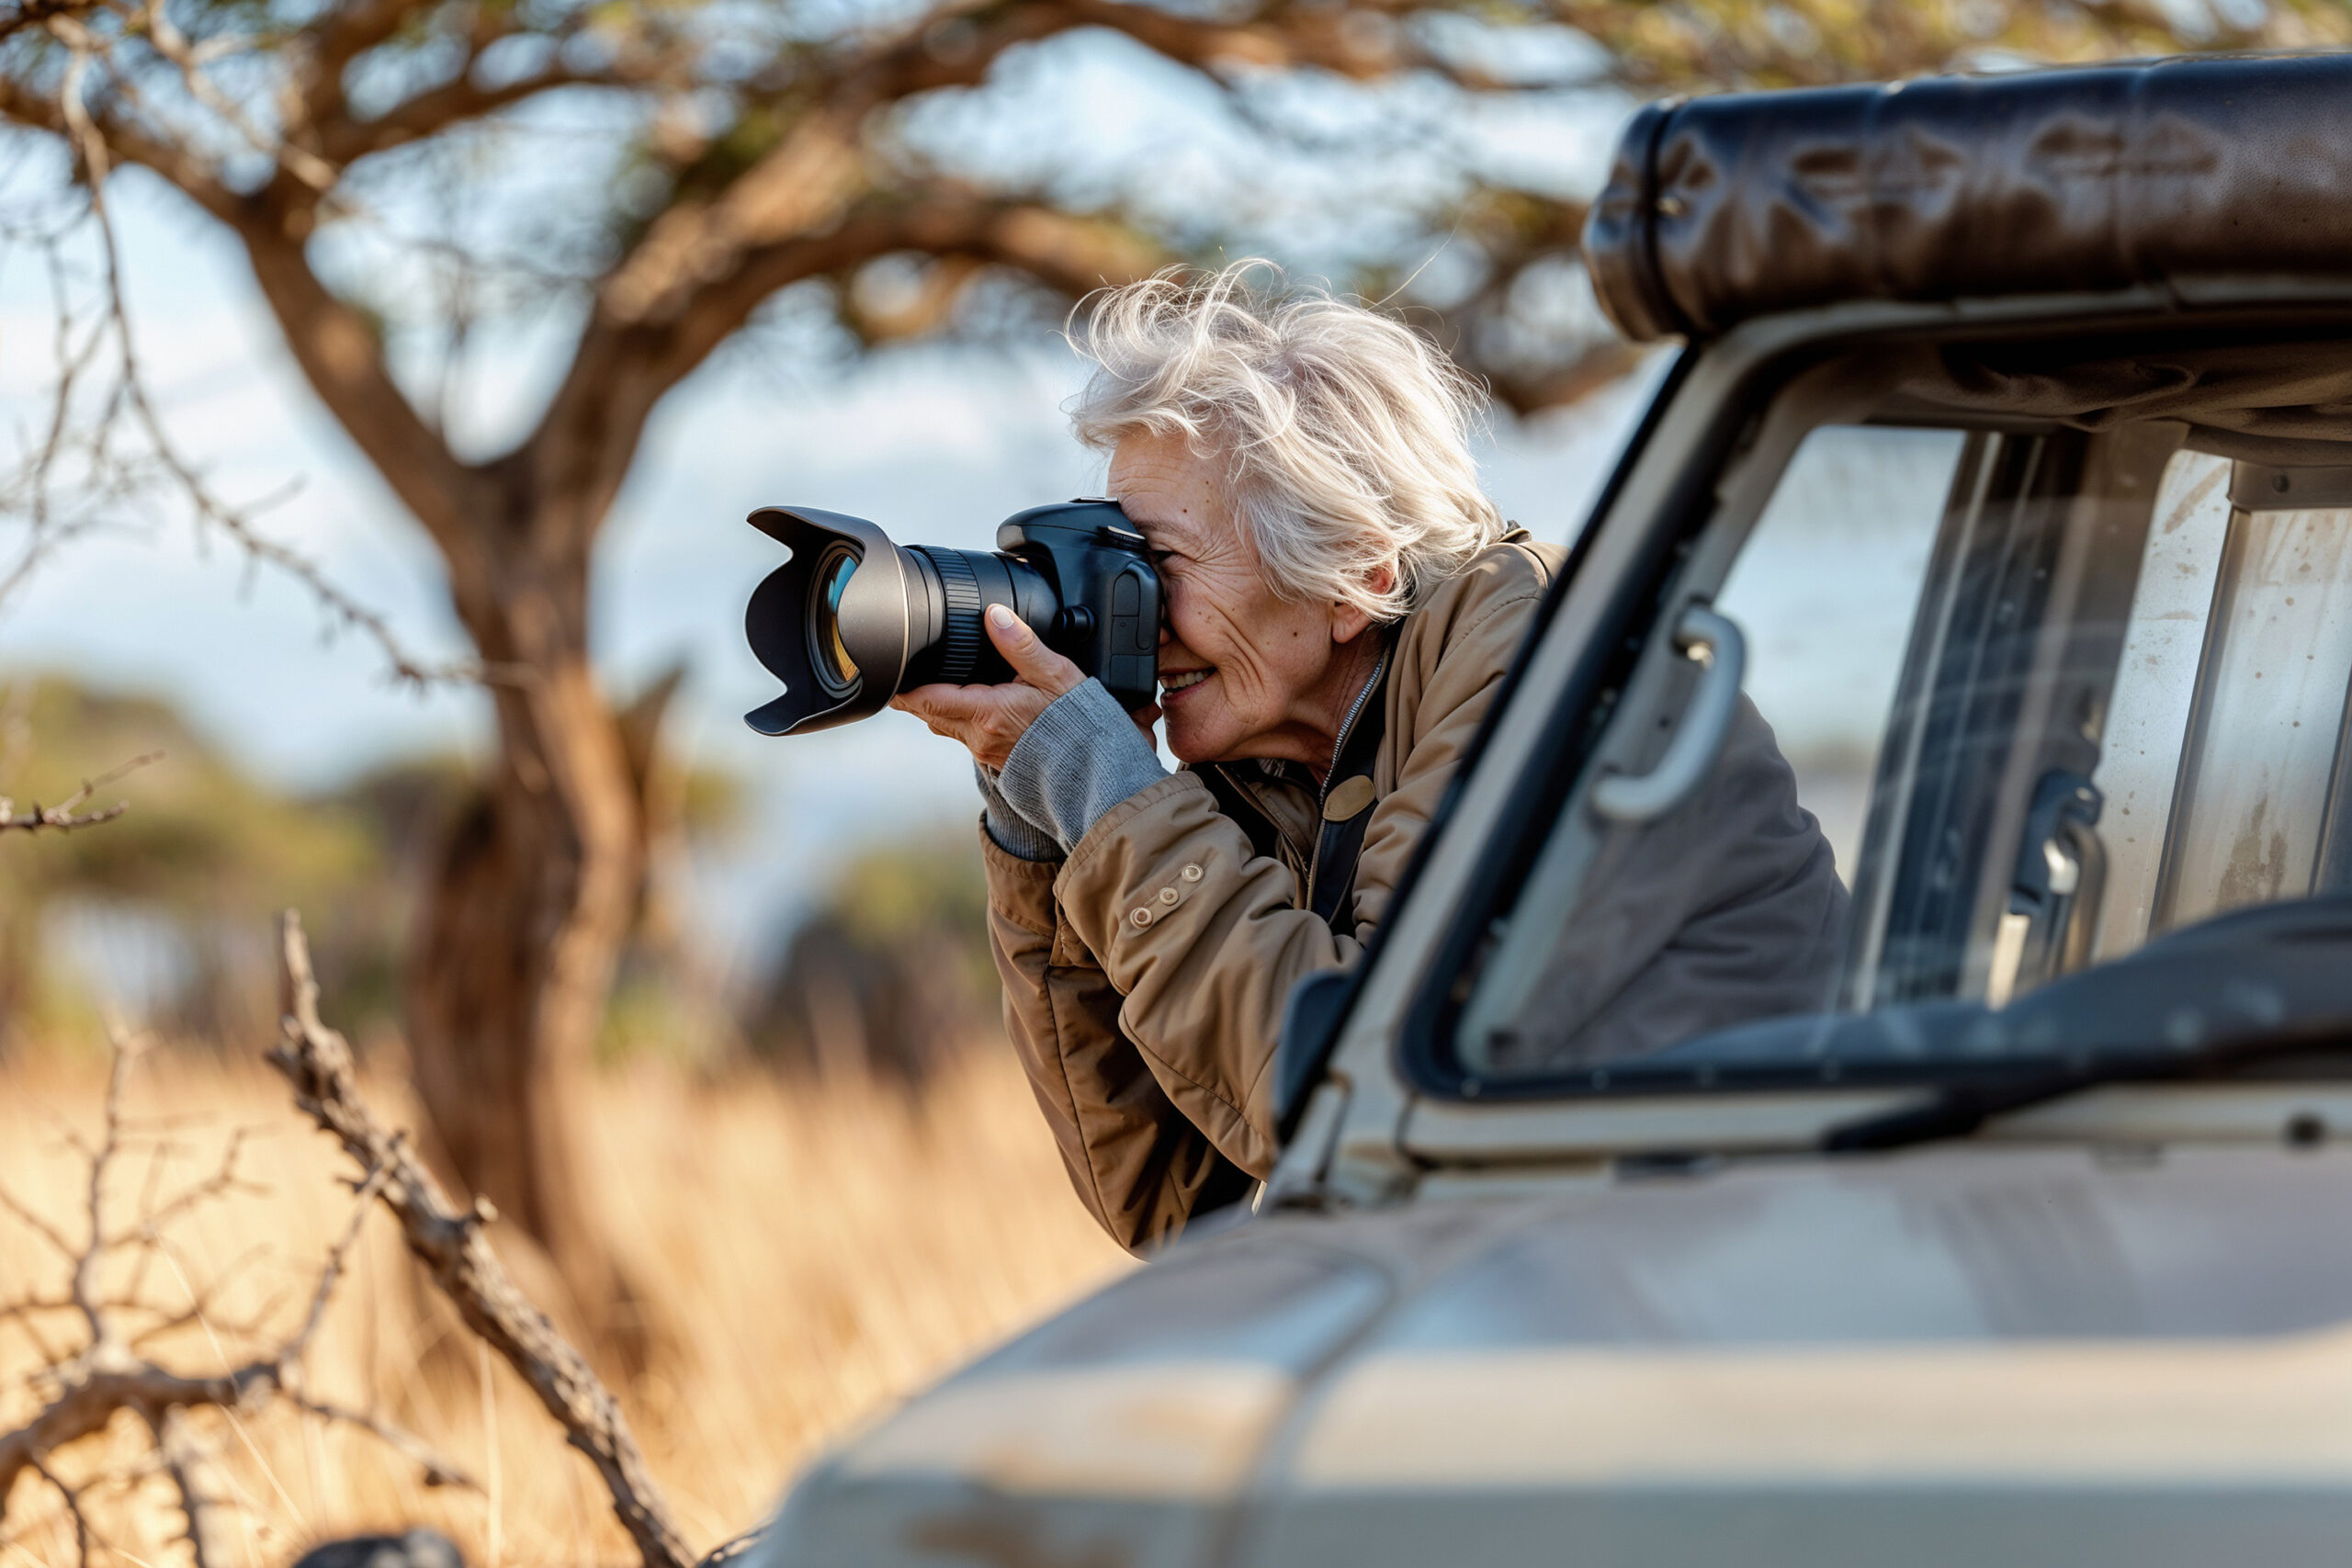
x=1726 y=912
x=1137 y=1164
x=1206 y=938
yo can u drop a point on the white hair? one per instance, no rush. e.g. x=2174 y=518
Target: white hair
x=1345 y=432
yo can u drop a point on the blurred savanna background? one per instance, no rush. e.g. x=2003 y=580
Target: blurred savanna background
x=385 y=384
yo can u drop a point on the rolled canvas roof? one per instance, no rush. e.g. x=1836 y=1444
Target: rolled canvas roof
x=1722 y=209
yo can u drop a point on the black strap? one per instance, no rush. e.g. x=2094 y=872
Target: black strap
x=1228 y=1184
x=1331 y=882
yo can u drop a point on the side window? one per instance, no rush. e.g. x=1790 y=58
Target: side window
x=1825 y=594
x=2012 y=702
x=2225 y=735
x=1920 y=720
x=1825 y=591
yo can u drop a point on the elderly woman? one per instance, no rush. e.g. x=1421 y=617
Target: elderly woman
x=1342 y=602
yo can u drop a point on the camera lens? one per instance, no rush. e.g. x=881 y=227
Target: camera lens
x=850 y=619
x=835 y=670
x=956 y=588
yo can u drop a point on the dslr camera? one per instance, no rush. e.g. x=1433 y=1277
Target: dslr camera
x=850 y=619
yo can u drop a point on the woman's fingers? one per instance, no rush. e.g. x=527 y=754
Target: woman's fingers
x=943 y=706
x=988 y=721
x=1035 y=663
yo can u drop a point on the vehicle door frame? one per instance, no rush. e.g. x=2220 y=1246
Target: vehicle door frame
x=1371 y=1127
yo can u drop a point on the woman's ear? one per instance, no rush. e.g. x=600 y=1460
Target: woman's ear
x=1348 y=620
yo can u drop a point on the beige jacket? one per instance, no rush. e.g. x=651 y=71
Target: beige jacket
x=1145 y=977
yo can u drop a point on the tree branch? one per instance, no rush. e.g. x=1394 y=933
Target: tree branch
x=107 y=1376
x=99 y=139
x=623 y=368
x=343 y=359
x=454 y=103
x=1358 y=42
x=327 y=48
x=195 y=177
x=195 y=1479
x=452 y=1246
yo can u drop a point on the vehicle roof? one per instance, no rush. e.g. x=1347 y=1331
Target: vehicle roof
x=2107 y=177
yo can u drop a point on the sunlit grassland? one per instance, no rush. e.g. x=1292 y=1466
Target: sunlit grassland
x=805 y=1255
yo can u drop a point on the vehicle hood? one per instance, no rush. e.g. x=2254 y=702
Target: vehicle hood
x=1646 y=1365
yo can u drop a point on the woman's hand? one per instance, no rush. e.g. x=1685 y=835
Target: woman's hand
x=990 y=720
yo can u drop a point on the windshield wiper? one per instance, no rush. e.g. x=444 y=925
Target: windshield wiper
x=2256 y=985
x=1959 y=1110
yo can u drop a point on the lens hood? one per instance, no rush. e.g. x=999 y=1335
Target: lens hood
x=851 y=619
x=787 y=629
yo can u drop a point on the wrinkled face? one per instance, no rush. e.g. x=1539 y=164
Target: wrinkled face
x=1242 y=672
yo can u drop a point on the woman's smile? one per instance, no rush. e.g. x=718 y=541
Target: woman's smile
x=1174 y=684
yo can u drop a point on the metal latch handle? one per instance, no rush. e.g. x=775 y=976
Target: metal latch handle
x=1715 y=642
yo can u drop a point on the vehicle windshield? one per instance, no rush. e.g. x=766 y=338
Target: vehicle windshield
x=2019 y=696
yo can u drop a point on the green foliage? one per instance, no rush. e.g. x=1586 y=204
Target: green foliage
x=210 y=854
x=204 y=849
x=201 y=835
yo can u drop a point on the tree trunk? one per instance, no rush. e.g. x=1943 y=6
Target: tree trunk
x=530 y=903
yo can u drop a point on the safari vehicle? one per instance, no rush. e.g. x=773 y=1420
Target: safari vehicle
x=2007 y=466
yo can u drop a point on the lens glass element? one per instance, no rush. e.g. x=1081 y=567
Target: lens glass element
x=836 y=666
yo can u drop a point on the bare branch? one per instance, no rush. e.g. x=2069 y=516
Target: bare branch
x=452 y=103
x=68 y=815
x=173 y=45
x=40 y=1227
x=622 y=370
x=25 y=14
x=223 y=1182
x=107 y=1376
x=198 y=1309
x=195 y=1477
x=325 y=49
x=436 y=1468
x=128 y=1049
x=339 y=1255
x=98 y=138
x=84 y=1537
x=342 y=360
x=453 y=1246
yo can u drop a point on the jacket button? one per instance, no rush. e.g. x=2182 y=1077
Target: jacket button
x=1141 y=918
x=1167 y=895
x=1191 y=873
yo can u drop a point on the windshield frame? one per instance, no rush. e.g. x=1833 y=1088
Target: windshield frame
x=1646 y=544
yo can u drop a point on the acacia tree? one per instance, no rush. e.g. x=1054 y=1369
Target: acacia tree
x=739 y=150
x=635 y=183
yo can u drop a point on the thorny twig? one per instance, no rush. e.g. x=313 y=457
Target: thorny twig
x=452 y=1245
x=107 y=1374
x=67 y=814
x=87 y=454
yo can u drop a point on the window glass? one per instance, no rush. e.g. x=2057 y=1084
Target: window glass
x=1826 y=591
x=2261 y=739
x=2155 y=690
x=2013 y=705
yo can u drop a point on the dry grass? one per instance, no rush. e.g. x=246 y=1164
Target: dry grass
x=808 y=1256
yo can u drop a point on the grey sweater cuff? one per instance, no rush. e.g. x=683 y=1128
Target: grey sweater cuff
x=1007 y=828
x=1079 y=758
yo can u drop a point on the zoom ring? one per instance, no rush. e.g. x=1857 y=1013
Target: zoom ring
x=960 y=641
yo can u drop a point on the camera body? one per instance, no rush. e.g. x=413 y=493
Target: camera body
x=851 y=619
x=1106 y=619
